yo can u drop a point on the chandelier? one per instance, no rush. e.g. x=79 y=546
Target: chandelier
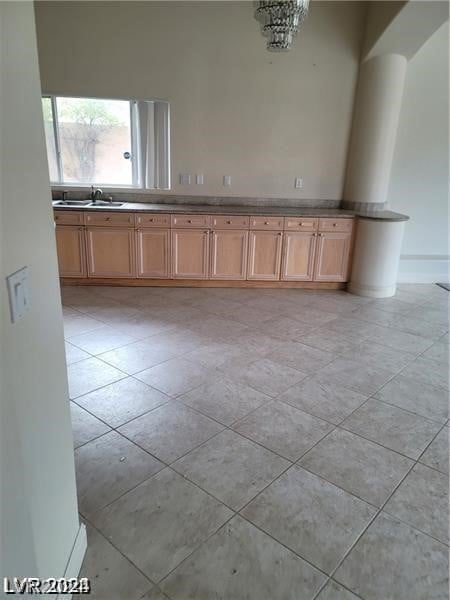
x=280 y=21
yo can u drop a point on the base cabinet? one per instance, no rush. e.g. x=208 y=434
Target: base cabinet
x=152 y=252
x=332 y=256
x=190 y=251
x=229 y=254
x=264 y=255
x=70 y=246
x=110 y=252
x=298 y=256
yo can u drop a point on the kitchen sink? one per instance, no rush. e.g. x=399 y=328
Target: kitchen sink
x=105 y=203
x=71 y=203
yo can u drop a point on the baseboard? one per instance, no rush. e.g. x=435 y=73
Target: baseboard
x=424 y=269
x=76 y=558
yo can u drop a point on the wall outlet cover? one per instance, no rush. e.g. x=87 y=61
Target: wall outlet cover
x=185 y=178
x=227 y=180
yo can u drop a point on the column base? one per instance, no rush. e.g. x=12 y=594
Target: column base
x=372 y=291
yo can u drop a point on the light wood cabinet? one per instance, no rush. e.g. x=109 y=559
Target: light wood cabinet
x=332 y=256
x=110 y=252
x=190 y=251
x=152 y=253
x=264 y=255
x=298 y=256
x=70 y=247
x=229 y=254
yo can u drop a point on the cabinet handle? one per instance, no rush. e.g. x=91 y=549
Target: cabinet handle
x=229 y=222
x=108 y=219
x=334 y=224
x=189 y=221
x=280 y=233
x=207 y=231
x=80 y=229
x=266 y=223
x=56 y=218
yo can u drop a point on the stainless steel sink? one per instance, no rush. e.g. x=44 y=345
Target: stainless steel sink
x=71 y=202
x=105 y=203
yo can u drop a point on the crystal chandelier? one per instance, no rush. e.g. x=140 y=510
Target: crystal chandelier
x=280 y=21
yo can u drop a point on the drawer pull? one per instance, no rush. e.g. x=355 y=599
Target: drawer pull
x=189 y=221
x=56 y=218
x=334 y=224
x=266 y=223
x=229 y=222
x=279 y=233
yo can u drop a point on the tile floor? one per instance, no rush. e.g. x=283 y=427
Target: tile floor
x=261 y=444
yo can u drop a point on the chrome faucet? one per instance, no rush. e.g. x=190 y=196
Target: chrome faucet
x=95 y=194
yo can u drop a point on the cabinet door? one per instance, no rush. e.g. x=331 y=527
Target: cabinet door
x=229 y=254
x=190 y=249
x=264 y=255
x=70 y=247
x=298 y=256
x=110 y=252
x=332 y=256
x=153 y=253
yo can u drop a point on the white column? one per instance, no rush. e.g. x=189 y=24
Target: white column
x=377 y=111
x=376 y=257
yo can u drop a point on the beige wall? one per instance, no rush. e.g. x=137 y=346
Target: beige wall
x=236 y=109
x=420 y=168
x=38 y=506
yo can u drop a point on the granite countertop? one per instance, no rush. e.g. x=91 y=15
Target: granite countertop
x=281 y=211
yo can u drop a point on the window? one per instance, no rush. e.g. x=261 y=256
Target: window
x=117 y=143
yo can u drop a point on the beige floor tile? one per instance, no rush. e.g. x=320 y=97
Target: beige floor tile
x=231 y=468
x=75 y=325
x=90 y=374
x=111 y=575
x=377 y=355
x=437 y=454
x=85 y=427
x=241 y=562
x=108 y=467
x=170 y=431
x=401 y=340
x=360 y=377
x=325 y=400
x=175 y=377
x=420 y=398
x=284 y=429
x=224 y=400
x=267 y=376
x=122 y=401
x=358 y=466
x=312 y=517
x=101 y=340
x=137 y=356
x=74 y=354
x=392 y=427
x=299 y=356
x=428 y=372
x=159 y=523
x=422 y=501
x=393 y=560
x=334 y=591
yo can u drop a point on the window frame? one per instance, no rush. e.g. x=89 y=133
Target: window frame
x=136 y=164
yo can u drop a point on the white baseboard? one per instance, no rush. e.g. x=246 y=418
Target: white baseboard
x=76 y=558
x=424 y=269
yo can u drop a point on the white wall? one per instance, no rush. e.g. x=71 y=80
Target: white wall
x=39 y=520
x=236 y=109
x=419 y=177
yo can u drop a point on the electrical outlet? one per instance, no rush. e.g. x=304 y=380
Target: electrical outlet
x=185 y=179
x=199 y=179
x=227 y=180
x=298 y=183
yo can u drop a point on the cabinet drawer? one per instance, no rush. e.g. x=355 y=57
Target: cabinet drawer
x=335 y=224
x=266 y=222
x=68 y=217
x=153 y=220
x=230 y=222
x=186 y=221
x=300 y=224
x=110 y=219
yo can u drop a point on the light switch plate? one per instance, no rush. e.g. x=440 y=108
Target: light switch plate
x=298 y=183
x=227 y=180
x=185 y=179
x=199 y=179
x=19 y=294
